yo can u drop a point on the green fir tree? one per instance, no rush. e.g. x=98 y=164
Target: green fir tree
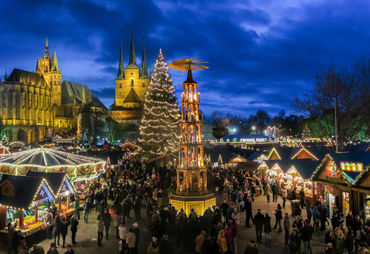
x=159 y=124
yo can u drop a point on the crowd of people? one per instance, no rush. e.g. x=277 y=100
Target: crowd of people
x=127 y=189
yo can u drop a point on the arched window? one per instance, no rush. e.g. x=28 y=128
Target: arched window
x=120 y=85
x=143 y=84
x=132 y=82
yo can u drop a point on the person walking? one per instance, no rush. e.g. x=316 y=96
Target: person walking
x=286 y=228
x=268 y=192
x=122 y=236
x=259 y=221
x=153 y=247
x=221 y=240
x=116 y=222
x=64 y=229
x=199 y=241
x=308 y=212
x=316 y=218
x=74 y=225
x=267 y=228
x=284 y=195
x=278 y=217
x=69 y=249
x=49 y=224
x=306 y=236
x=56 y=229
x=301 y=196
x=53 y=249
x=86 y=208
x=131 y=241
x=248 y=211
x=77 y=207
x=100 y=230
x=107 y=218
x=251 y=248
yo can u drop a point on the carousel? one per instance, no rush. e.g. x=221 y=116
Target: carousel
x=76 y=167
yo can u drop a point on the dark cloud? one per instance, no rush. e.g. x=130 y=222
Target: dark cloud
x=261 y=53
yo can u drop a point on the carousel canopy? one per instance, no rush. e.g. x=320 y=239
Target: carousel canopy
x=58 y=182
x=4 y=151
x=47 y=158
x=23 y=191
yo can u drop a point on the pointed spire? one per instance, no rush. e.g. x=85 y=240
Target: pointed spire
x=144 y=67
x=121 y=73
x=46 y=52
x=5 y=75
x=190 y=77
x=55 y=62
x=132 y=51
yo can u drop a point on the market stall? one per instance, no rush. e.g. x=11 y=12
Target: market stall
x=62 y=189
x=335 y=176
x=77 y=167
x=361 y=187
x=24 y=201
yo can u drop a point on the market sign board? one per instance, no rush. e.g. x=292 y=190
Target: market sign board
x=351 y=166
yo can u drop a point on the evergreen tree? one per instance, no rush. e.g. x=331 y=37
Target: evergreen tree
x=159 y=124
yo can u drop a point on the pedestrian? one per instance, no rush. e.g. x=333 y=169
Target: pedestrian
x=284 y=195
x=100 y=230
x=221 y=240
x=248 y=212
x=153 y=247
x=86 y=211
x=251 y=248
x=259 y=220
x=278 y=218
x=294 y=241
x=74 y=225
x=131 y=241
x=107 y=218
x=224 y=207
x=165 y=246
x=350 y=241
x=11 y=233
x=301 y=195
x=56 y=229
x=64 y=229
x=77 y=207
x=316 y=218
x=135 y=226
x=268 y=192
x=69 y=249
x=274 y=192
x=267 y=227
x=340 y=240
x=122 y=236
x=49 y=224
x=199 y=241
x=306 y=236
x=116 y=222
x=286 y=228
x=53 y=249
x=308 y=212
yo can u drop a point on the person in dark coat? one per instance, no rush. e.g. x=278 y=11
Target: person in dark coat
x=165 y=246
x=248 y=211
x=53 y=249
x=278 y=218
x=301 y=196
x=350 y=241
x=259 y=221
x=107 y=218
x=56 y=229
x=267 y=227
x=306 y=236
x=64 y=228
x=251 y=248
x=74 y=224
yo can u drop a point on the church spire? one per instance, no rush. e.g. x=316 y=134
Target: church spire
x=121 y=73
x=55 y=62
x=46 y=52
x=132 y=51
x=144 y=67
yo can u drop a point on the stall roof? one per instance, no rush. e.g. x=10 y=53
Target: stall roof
x=215 y=151
x=254 y=156
x=21 y=191
x=55 y=180
x=305 y=167
x=45 y=157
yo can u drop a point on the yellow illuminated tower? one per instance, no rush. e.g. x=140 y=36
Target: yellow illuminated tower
x=191 y=192
x=48 y=67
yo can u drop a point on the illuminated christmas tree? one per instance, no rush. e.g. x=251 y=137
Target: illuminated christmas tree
x=159 y=124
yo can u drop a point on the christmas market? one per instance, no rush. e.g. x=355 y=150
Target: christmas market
x=62 y=189
x=24 y=201
x=77 y=167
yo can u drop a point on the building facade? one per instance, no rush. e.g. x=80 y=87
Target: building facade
x=131 y=85
x=36 y=105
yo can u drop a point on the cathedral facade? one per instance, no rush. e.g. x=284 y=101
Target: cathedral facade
x=36 y=105
x=131 y=85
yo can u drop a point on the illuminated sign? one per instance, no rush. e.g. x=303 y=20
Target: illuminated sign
x=351 y=166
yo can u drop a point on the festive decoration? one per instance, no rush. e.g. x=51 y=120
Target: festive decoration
x=50 y=160
x=158 y=129
x=191 y=192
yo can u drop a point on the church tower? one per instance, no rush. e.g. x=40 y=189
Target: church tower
x=131 y=85
x=48 y=67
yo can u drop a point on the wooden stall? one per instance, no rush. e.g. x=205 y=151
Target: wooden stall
x=24 y=202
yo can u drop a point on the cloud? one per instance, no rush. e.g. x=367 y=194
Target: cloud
x=261 y=53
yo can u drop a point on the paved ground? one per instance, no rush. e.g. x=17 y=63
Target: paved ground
x=87 y=235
